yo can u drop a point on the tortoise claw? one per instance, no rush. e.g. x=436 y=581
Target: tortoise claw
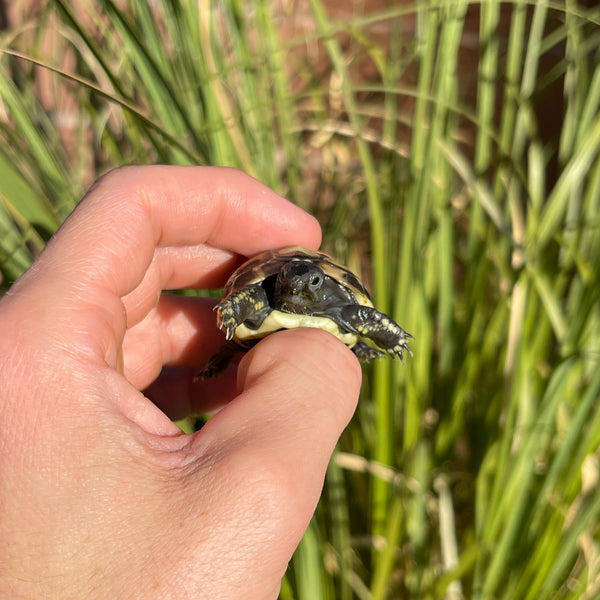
x=399 y=349
x=228 y=330
x=226 y=319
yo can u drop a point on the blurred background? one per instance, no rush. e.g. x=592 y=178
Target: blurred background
x=450 y=150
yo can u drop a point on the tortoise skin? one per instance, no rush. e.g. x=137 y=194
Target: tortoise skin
x=295 y=287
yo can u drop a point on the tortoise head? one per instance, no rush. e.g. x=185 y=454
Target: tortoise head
x=301 y=287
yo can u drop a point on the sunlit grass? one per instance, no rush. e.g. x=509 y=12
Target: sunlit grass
x=472 y=468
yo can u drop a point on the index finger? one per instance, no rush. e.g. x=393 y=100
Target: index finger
x=102 y=251
x=133 y=210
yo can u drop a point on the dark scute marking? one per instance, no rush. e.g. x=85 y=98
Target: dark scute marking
x=254 y=271
x=346 y=278
x=354 y=282
x=296 y=253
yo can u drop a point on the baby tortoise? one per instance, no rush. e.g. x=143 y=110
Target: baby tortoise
x=295 y=287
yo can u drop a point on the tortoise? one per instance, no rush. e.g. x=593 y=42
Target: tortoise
x=295 y=287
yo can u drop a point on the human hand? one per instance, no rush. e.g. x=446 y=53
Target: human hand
x=101 y=495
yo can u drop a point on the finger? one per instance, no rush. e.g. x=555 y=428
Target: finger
x=305 y=379
x=182 y=334
x=299 y=390
x=201 y=267
x=131 y=211
x=103 y=250
x=180 y=331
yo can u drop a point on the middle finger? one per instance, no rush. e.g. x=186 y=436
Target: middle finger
x=179 y=331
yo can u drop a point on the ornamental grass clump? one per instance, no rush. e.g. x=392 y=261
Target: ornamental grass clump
x=450 y=150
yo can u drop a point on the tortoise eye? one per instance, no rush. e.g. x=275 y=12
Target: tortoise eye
x=316 y=281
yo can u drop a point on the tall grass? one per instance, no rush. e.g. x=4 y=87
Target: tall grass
x=461 y=177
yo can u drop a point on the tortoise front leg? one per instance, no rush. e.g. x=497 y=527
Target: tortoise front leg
x=377 y=326
x=250 y=305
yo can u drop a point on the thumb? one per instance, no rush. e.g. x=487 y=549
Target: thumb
x=273 y=442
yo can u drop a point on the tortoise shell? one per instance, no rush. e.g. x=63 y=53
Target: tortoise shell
x=265 y=264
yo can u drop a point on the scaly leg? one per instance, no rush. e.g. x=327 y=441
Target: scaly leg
x=366 y=353
x=218 y=362
x=379 y=327
x=249 y=306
